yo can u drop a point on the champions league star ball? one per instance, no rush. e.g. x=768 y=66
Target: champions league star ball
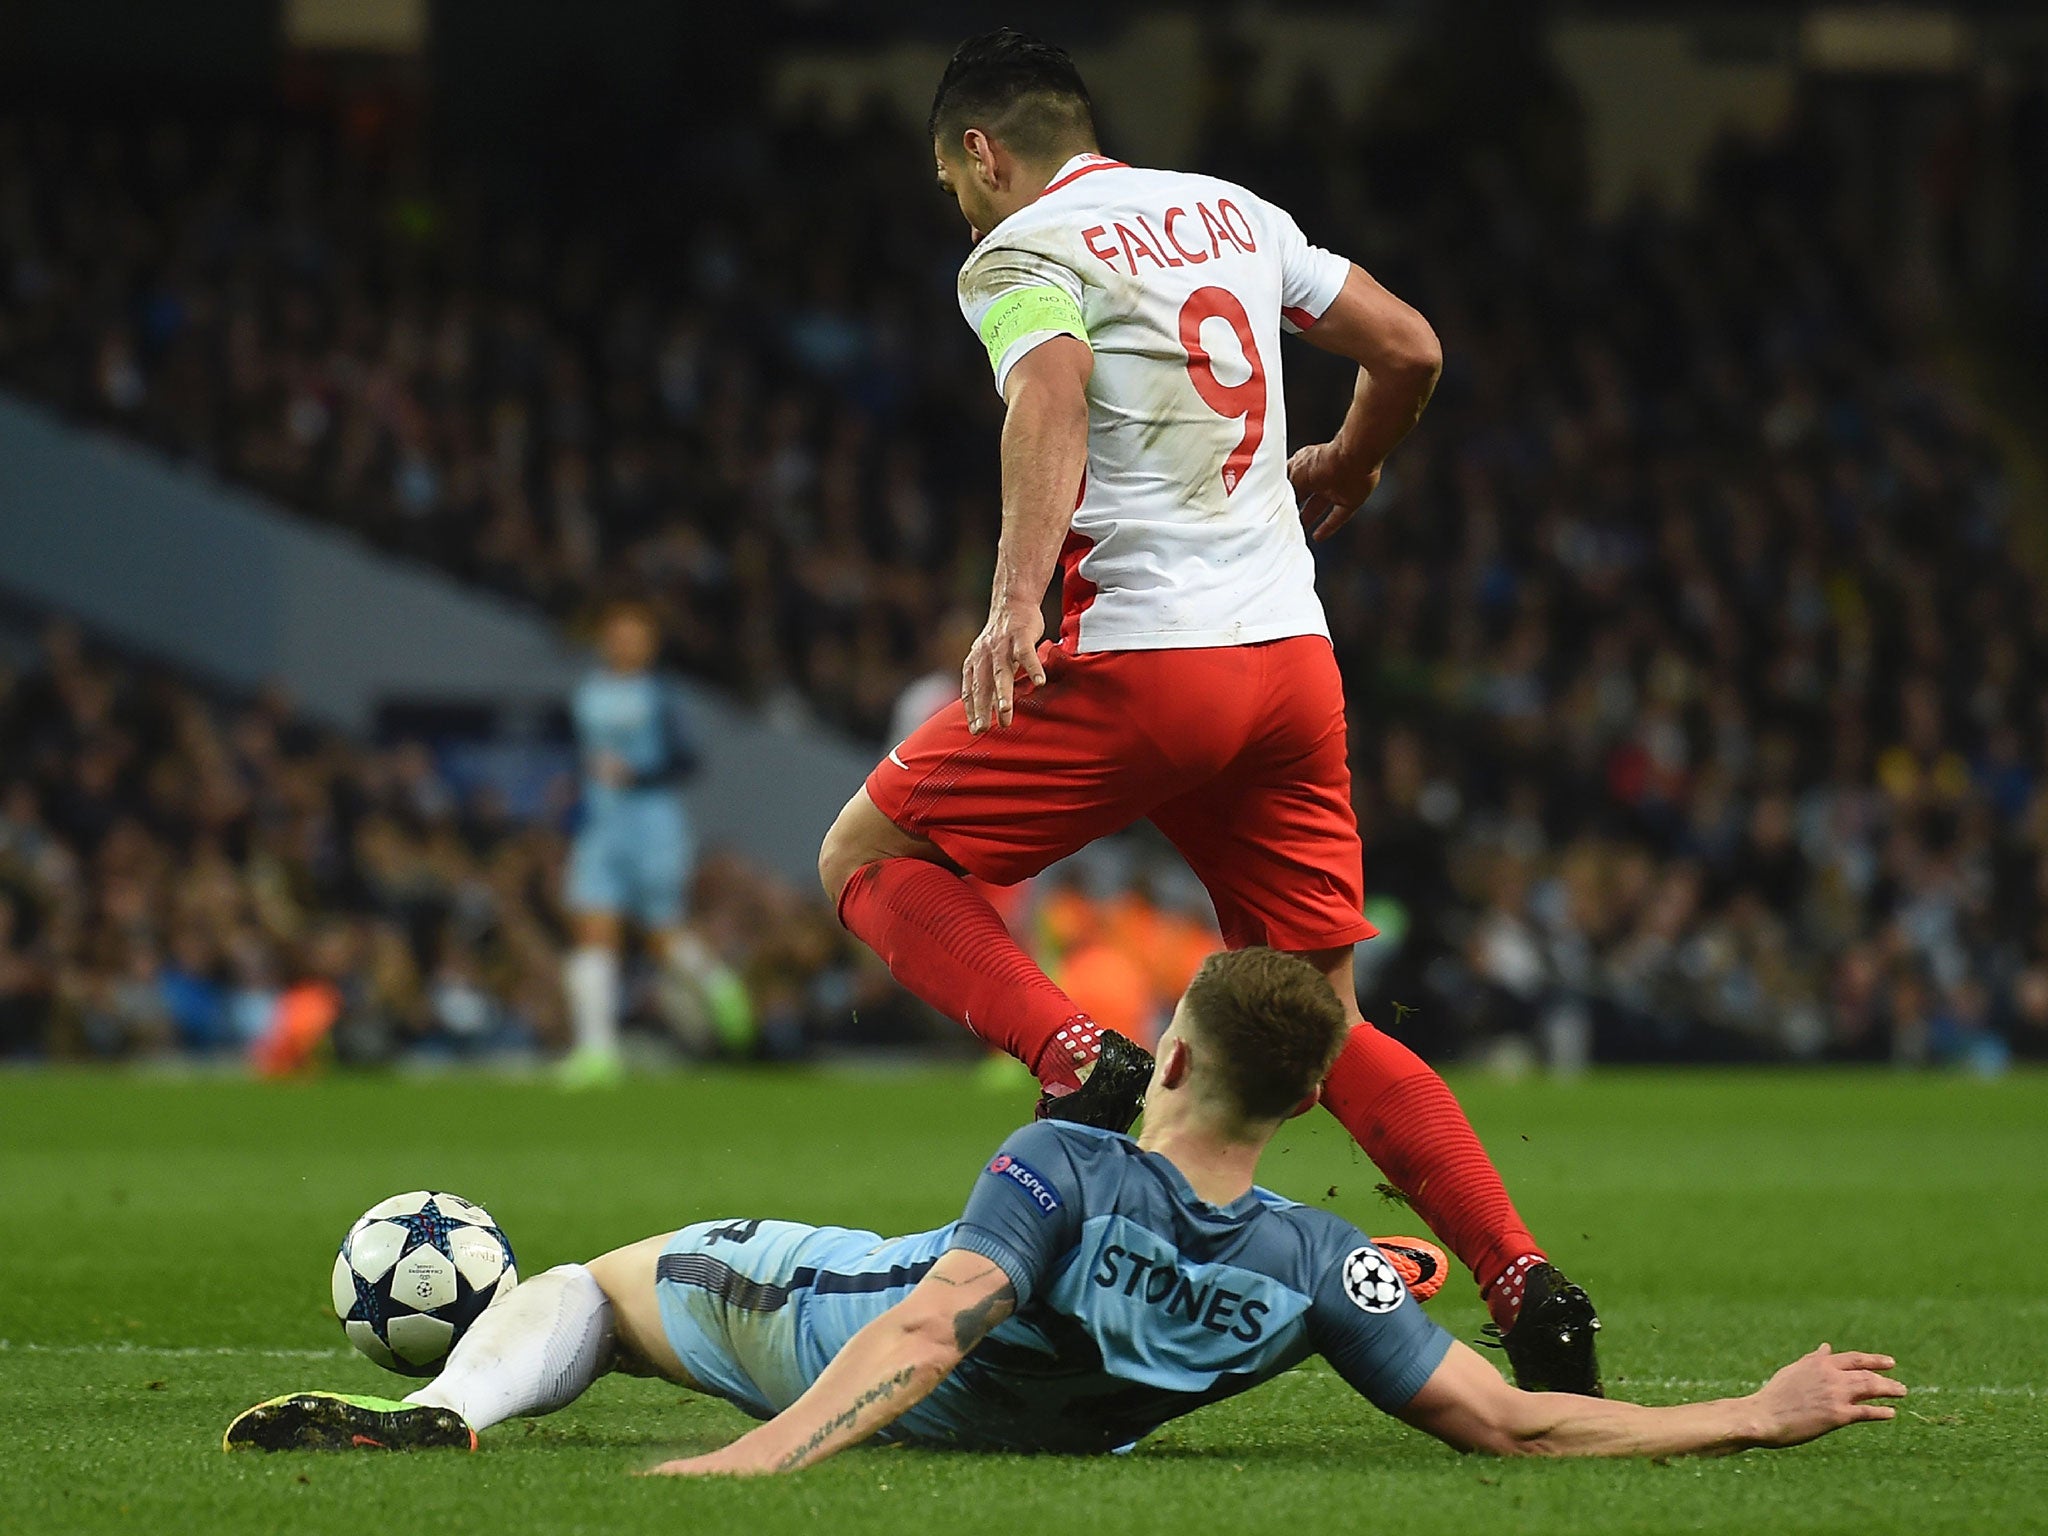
x=1370 y=1281
x=414 y=1273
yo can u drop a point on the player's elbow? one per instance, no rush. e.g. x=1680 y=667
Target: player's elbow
x=1467 y=1433
x=1505 y=1442
x=1413 y=352
x=1048 y=405
x=1497 y=1426
x=1509 y=1429
x=930 y=1343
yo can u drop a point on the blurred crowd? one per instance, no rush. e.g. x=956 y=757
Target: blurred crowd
x=1698 y=696
x=752 y=408
x=1702 y=703
x=182 y=874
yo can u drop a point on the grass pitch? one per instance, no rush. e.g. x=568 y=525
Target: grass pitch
x=164 y=1251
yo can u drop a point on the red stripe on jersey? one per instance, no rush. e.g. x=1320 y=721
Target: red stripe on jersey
x=1080 y=171
x=1298 y=317
x=1076 y=590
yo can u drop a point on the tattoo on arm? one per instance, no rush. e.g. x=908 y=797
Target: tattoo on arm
x=880 y=1392
x=971 y=1324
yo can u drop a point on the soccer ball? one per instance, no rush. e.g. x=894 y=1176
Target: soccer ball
x=414 y=1273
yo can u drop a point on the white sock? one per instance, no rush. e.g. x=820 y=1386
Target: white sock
x=590 y=979
x=533 y=1352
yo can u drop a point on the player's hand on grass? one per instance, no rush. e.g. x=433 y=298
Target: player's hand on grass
x=1006 y=647
x=1327 y=489
x=1822 y=1391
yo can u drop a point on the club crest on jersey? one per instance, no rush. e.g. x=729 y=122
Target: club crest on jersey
x=1028 y=1179
x=1370 y=1281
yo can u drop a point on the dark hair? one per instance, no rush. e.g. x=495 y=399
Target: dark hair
x=1015 y=88
x=1274 y=1022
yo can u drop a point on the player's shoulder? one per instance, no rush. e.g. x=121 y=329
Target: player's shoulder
x=1143 y=209
x=1153 y=188
x=1321 y=1236
x=1083 y=1149
x=1061 y=1165
x=1072 y=202
x=1076 y=1143
x=1087 y=224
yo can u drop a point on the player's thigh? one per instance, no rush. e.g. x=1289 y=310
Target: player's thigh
x=597 y=882
x=726 y=1290
x=1275 y=843
x=1085 y=756
x=655 y=862
x=627 y=1277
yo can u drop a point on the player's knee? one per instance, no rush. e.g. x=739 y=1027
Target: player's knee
x=854 y=839
x=1336 y=966
x=838 y=860
x=624 y=1272
x=861 y=835
x=627 y=1277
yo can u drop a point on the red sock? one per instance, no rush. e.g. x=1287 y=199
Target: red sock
x=945 y=943
x=1503 y=1293
x=1408 y=1121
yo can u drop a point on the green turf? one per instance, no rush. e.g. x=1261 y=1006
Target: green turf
x=164 y=1250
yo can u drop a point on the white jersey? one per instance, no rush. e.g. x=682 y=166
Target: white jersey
x=1185 y=533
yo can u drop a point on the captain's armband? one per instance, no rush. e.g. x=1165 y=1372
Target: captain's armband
x=1026 y=312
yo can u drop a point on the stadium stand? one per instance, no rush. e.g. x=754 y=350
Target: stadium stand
x=1686 y=651
x=181 y=872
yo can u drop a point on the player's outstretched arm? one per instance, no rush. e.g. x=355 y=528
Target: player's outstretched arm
x=884 y=1371
x=1467 y=1405
x=1398 y=359
x=1045 y=451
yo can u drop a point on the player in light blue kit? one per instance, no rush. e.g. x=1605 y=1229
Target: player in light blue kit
x=1094 y=1288
x=635 y=851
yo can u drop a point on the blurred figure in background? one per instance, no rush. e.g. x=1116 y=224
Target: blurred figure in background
x=635 y=852
x=932 y=690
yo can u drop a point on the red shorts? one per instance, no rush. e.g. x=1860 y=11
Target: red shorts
x=1236 y=753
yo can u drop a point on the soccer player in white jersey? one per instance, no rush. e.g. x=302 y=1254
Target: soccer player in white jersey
x=1133 y=320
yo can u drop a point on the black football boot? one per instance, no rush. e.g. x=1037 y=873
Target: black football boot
x=1550 y=1347
x=1112 y=1096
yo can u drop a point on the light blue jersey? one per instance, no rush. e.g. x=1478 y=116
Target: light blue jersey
x=1136 y=1301
x=634 y=851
